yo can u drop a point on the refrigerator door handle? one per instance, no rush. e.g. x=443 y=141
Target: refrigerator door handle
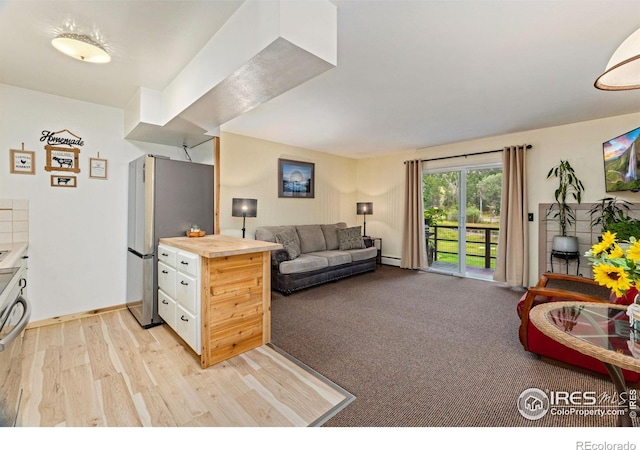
x=140 y=255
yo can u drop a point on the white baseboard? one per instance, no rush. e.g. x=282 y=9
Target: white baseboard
x=389 y=261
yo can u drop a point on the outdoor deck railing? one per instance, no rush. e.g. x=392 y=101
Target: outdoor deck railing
x=481 y=242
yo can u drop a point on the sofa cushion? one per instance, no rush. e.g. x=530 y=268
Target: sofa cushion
x=311 y=238
x=334 y=257
x=290 y=241
x=361 y=254
x=268 y=233
x=350 y=238
x=330 y=232
x=303 y=263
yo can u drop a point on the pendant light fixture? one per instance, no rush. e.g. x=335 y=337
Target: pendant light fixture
x=81 y=47
x=623 y=71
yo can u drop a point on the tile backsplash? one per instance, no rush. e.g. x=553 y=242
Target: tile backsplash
x=14 y=221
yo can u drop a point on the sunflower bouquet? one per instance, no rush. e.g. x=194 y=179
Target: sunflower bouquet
x=617 y=268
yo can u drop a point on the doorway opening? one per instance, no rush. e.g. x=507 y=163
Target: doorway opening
x=462 y=219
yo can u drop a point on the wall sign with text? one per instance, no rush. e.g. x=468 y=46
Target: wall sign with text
x=62 y=159
x=98 y=168
x=59 y=157
x=22 y=161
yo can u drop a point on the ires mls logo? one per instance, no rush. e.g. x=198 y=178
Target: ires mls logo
x=577 y=398
x=533 y=404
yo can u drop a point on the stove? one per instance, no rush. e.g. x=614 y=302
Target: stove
x=14 y=317
x=5 y=277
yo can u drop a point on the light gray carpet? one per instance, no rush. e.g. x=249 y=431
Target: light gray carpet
x=423 y=350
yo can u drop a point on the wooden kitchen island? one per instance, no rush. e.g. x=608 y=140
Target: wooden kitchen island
x=215 y=292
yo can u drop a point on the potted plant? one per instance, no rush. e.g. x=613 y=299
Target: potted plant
x=433 y=215
x=613 y=215
x=431 y=218
x=569 y=186
x=608 y=211
x=625 y=229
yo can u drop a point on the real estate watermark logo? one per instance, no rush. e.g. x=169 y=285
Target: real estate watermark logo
x=534 y=403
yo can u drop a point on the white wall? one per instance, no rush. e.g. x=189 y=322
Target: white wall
x=579 y=143
x=381 y=181
x=249 y=169
x=77 y=236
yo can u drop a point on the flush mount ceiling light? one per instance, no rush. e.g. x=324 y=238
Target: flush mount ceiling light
x=623 y=71
x=81 y=47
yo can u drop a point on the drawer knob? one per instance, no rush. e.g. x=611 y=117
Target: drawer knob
x=183 y=283
x=164 y=271
x=184 y=262
x=165 y=254
x=164 y=302
x=184 y=318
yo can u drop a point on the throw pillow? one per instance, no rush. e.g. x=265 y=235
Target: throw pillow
x=290 y=241
x=350 y=238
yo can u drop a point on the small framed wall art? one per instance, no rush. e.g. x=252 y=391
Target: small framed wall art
x=62 y=159
x=98 y=168
x=23 y=161
x=63 y=181
x=296 y=179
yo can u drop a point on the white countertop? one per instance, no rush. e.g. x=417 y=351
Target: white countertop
x=17 y=249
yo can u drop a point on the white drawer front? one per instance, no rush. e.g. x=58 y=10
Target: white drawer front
x=188 y=328
x=187 y=292
x=167 y=255
x=167 y=279
x=167 y=309
x=188 y=263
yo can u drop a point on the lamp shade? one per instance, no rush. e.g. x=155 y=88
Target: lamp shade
x=364 y=208
x=81 y=47
x=623 y=71
x=244 y=207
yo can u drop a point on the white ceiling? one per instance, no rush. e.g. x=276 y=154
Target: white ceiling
x=410 y=74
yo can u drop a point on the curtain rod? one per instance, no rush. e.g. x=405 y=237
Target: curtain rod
x=467 y=154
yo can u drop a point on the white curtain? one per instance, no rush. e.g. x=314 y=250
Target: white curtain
x=414 y=252
x=512 y=263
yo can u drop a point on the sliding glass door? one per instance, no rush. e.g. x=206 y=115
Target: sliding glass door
x=462 y=210
x=442 y=192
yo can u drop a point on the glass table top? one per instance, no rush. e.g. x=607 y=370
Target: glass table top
x=596 y=324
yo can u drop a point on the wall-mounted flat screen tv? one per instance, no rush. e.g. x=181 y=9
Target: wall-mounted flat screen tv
x=621 y=162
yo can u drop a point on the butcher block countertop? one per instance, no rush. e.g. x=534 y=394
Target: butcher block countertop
x=218 y=245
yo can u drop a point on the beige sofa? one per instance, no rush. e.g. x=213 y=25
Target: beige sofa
x=316 y=254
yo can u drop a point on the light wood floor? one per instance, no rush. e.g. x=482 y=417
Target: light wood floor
x=106 y=370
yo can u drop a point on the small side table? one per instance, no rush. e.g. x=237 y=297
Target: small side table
x=567 y=256
x=377 y=242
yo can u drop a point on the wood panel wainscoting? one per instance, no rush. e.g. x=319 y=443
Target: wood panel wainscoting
x=105 y=370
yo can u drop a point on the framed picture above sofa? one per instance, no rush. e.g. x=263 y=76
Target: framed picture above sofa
x=296 y=179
